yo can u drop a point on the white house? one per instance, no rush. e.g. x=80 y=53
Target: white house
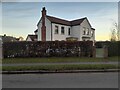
x=51 y=29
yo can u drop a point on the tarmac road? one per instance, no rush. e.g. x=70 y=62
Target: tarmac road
x=61 y=80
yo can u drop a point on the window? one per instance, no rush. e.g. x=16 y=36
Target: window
x=87 y=31
x=84 y=30
x=62 y=30
x=92 y=33
x=69 y=32
x=56 y=29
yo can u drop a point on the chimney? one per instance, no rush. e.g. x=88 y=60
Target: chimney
x=43 y=28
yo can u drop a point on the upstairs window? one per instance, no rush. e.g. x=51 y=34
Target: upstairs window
x=84 y=30
x=87 y=31
x=69 y=31
x=56 y=30
x=62 y=30
x=92 y=33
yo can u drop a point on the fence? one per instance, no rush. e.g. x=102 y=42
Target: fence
x=113 y=47
x=99 y=52
x=0 y=49
x=47 y=49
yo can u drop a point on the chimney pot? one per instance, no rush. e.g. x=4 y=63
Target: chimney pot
x=43 y=8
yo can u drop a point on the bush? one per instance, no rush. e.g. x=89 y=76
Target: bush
x=47 y=49
x=113 y=47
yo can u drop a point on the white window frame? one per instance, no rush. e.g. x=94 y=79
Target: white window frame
x=62 y=29
x=87 y=31
x=84 y=30
x=92 y=33
x=69 y=31
x=56 y=28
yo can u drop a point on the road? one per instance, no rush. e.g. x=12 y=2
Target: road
x=59 y=63
x=61 y=80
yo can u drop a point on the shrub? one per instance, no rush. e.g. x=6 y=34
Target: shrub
x=47 y=49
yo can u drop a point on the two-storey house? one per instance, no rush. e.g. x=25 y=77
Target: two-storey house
x=51 y=29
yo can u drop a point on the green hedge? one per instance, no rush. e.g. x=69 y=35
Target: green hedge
x=113 y=47
x=47 y=49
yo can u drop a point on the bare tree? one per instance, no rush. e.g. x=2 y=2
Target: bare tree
x=113 y=35
x=115 y=32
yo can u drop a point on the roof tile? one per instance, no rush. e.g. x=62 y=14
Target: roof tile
x=65 y=22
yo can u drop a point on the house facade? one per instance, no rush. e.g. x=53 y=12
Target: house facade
x=55 y=29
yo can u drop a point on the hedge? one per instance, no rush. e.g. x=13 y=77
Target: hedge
x=47 y=49
x=113 y=47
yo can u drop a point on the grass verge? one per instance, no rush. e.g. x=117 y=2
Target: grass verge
x=57 y=59
x=59 y=67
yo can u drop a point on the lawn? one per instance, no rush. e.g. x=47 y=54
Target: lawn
x=60 y=67
x=57 y=59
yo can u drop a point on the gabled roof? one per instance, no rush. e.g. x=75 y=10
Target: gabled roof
x=65 y=22
x=36 y=31
x=39 y=21
x=77 y=21
x=58 y=20
x=92 y=28
x=32 y=37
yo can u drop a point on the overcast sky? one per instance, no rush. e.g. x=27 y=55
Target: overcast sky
x=21 y=18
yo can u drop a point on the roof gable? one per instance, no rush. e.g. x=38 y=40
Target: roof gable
x=88 y=22
x=77 y=21
x=32 y=37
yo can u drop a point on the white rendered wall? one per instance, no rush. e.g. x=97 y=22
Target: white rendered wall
x=48 y=30
x=86 y=25
x=93 y=37
x=36 y=33
x=76 y=31
x=39 y=30
x=60 y=36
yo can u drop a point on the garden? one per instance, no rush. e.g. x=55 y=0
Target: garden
x=57 y=52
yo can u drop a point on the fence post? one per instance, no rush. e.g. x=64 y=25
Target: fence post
x=94 y=52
